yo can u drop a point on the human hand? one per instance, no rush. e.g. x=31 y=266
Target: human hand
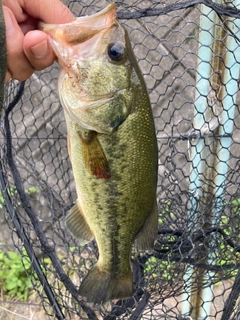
x=28 y=49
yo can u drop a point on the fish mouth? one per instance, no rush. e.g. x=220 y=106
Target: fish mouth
x=110 y=10
x=83 y=28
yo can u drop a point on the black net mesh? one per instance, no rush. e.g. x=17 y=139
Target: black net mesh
x=189 y=56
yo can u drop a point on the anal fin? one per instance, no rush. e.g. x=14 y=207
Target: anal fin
x=146 y=237
x=94 y=158
x=77 y=225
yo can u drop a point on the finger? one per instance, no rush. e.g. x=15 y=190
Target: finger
x=16 y=7
x=53 y=11
x=8 y=77
x=38 y=50
x=29 y=24
x=18 y=65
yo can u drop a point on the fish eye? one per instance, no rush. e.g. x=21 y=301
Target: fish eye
x=116 y=51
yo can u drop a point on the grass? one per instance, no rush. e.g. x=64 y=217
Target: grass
x=225 y=256
x=12 y=191
x=18 y=298
x=13 y=308
x=14 y=270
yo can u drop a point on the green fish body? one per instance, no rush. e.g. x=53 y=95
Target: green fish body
x=112 y=146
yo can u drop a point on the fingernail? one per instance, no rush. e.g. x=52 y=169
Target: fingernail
x=40 y=50
x=8 y=22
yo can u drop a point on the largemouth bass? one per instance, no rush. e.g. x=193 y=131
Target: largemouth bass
x=112 y=146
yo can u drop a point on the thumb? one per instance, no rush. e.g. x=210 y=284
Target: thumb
x=38 y=50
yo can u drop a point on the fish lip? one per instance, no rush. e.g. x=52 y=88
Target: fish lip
x=84 y=22
x=111 y=6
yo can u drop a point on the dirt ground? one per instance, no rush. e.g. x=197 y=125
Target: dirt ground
x=13 y=309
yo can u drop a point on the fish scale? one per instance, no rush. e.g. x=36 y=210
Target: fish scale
x=112 y=146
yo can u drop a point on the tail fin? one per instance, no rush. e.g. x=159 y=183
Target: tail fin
x=100 y=287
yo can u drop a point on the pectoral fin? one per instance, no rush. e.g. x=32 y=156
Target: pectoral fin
x=77 y=225
x=145 y=239
x=94 y=158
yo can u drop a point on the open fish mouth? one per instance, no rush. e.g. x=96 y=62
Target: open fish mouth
x=83 y=28
x=101 y=22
